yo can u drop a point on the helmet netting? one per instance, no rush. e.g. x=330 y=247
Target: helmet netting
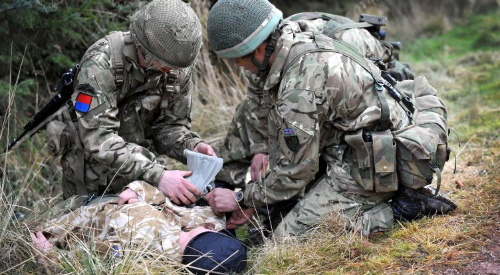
x=169 y=32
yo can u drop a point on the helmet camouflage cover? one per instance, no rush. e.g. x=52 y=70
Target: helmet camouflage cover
x=169 y=33
x=237 y=27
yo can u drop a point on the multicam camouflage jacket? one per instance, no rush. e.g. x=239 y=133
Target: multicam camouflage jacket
x=128 y=116
x=151 y=226
x=255 y=111
x=316 y=99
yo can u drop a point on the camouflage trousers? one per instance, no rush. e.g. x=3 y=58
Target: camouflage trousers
x=243 y=140
x=360 y=212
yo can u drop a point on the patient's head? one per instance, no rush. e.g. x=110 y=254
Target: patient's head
x=213 y=251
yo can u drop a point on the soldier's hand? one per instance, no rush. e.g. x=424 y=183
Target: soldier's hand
x=178 y=189
x=128 y=196
x=222 y=200
x=239 y=218
x=259 y=166
x=205 y=149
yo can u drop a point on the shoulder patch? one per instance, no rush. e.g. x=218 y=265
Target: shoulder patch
x=83 y=102
x=291 y=140
x=84 y=98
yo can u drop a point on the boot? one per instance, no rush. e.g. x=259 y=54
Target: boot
x=411 y=204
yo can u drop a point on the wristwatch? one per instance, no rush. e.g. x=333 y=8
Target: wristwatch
x=238 y=196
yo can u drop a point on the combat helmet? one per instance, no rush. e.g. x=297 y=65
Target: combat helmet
x=168 y=32
x=237 y=27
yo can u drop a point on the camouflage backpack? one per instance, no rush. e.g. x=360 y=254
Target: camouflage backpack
x=409 y=156
x=422 y=149
x=336 y=24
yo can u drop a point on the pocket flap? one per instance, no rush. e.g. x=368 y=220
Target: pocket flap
x=355 y=140
x=383 y=153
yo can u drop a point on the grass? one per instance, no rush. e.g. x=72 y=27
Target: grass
x=462 y=64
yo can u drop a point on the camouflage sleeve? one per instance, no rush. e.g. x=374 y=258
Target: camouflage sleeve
x=63 y=231
x=113 y=229
x=295 y=142
x=97 y=112
x=256 y=114
x=146 y=192
x=143 y=227
x=173 y=131
x=190 y=218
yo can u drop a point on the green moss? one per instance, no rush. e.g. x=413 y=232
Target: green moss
x=402 y=249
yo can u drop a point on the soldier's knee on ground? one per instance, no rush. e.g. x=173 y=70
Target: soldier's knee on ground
x=377 y=219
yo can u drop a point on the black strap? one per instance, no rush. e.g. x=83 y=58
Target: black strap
x=271 y=45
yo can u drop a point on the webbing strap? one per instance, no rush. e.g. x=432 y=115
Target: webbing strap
x=355 y=140
x=271 y=44
x=384 y=106
x=116 y=40
x=347 y=50
x=356 y=25
x=437 y=171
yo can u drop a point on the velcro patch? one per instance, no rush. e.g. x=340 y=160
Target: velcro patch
x=83 y=102
x=288 y=132
x=292 y=142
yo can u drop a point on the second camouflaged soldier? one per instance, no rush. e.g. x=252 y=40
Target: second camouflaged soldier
x=246 y=142
x=317 y=96
x=132 y=105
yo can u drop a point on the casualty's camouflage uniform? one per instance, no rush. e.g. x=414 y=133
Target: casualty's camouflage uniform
x=320 y=98
x=130 y=122
x=152 y=225
x=247 y=135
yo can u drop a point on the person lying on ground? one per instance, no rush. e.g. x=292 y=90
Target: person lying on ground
x=140 y=220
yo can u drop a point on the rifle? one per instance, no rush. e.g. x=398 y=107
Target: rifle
x=54 y=107
x=376 y=22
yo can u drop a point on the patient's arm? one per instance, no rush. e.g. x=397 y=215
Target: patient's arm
x=145 y=192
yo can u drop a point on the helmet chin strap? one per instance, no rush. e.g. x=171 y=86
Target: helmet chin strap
x=264 y=66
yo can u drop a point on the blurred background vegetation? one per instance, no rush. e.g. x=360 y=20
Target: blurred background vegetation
x=454 y=43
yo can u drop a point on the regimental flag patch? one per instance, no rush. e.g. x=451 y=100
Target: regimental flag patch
x=83 y=102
